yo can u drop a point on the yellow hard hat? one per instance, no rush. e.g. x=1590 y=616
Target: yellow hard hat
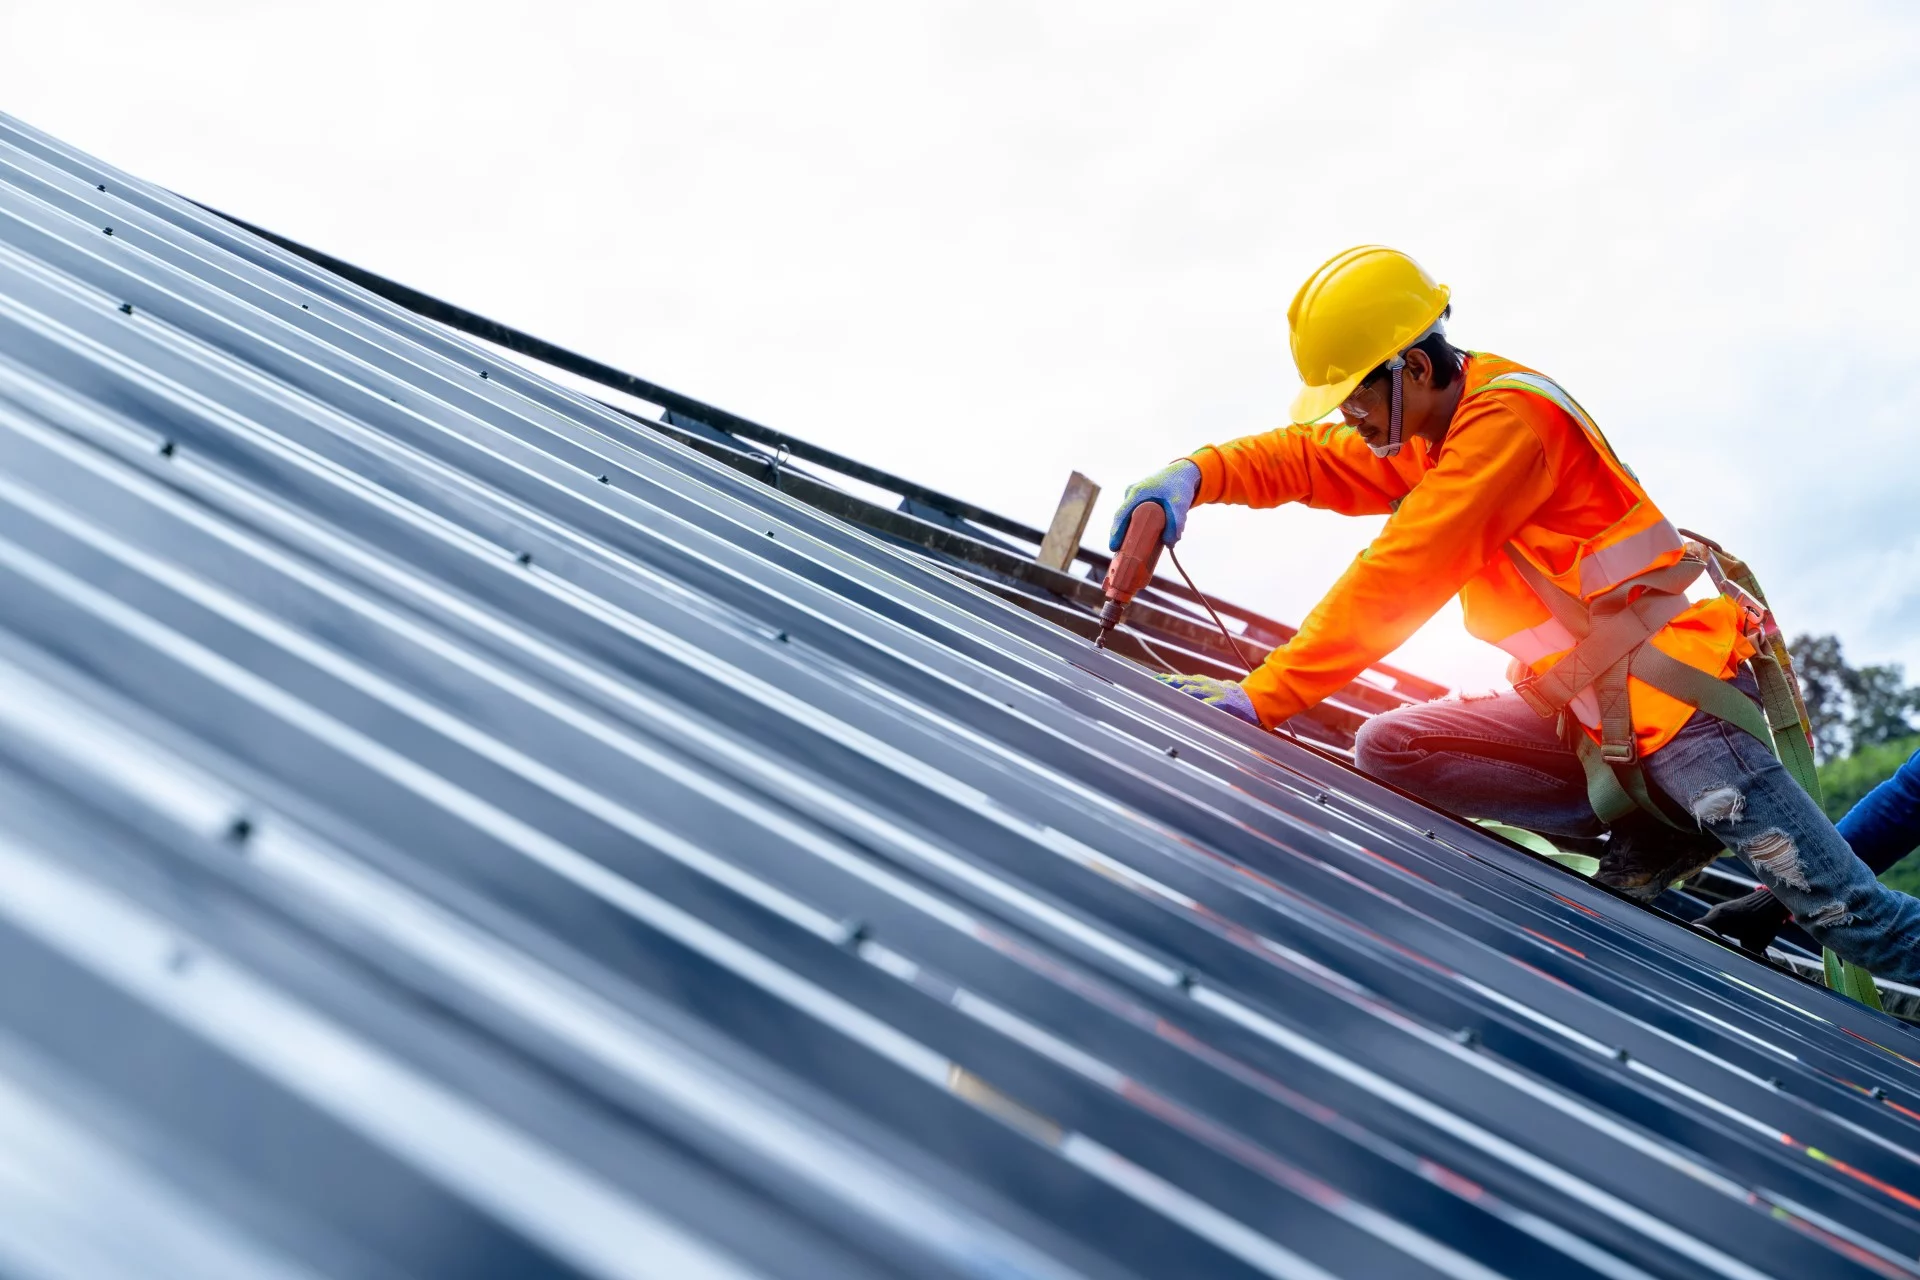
x=1359 y=310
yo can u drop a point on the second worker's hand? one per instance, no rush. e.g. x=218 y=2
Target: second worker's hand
x=1224 y=694
x=1173 y=487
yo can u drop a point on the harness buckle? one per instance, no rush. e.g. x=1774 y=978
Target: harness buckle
x=1618 y=752
x=1529 y=692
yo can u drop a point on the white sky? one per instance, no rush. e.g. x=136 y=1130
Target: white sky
x=985 y=244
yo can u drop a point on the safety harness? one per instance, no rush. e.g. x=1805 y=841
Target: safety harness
x=1614 y=630
x=1613 y=633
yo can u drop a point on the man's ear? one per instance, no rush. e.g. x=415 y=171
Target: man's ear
x=1419 y=366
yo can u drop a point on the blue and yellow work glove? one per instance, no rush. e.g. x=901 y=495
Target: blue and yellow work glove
x=1173 y=487
x=1224 y=694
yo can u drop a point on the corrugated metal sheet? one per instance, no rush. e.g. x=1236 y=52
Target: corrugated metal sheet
x=1169 y=626
x=449 y=829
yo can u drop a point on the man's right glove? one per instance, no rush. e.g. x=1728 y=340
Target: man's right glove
x=1751 y=921
x=1173 y=487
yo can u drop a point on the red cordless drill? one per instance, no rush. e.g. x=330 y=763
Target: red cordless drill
x=1133 y=567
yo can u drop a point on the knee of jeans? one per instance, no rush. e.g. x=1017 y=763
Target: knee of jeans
x=1379 y=744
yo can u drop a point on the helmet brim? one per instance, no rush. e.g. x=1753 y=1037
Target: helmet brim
x=1315 y=403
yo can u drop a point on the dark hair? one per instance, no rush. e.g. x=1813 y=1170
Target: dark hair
x=1448 y=360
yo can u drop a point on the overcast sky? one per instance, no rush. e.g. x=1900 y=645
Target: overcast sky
x=985 y=244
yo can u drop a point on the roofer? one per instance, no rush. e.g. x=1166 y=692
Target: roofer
x=1499 y=488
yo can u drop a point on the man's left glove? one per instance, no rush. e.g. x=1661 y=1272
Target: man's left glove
x=1224 y=694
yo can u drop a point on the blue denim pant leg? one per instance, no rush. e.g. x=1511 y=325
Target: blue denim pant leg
x=1736 y=790
x=1490 y=757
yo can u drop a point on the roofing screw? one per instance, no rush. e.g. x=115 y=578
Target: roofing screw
x=604 y=480
x=1173 y=753
x=1321 y=797
x=126 y=308
x=108 y=230
x=526 y=557
x=781 y=636
x=1432 y=834
x=1776 y=1082
x=853 y=933
x=1877 y=1093
x=769 y=533
x=100 y=186
x=1467 y=1036
x=1621 y=1055
x=483 y=373
x=239 y=830
x=1184 y=980
x=305 y=307
x=166 y=449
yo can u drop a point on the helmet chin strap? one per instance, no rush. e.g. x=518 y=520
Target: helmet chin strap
x=1392 y=446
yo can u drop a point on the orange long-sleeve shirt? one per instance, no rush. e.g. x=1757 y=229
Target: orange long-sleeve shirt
x=1511 y=467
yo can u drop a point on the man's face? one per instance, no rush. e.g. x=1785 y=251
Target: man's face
x=1369 y=409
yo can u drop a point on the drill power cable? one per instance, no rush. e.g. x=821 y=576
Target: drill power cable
x=1231 y=641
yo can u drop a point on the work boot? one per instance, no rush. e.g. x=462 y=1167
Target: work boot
x=1751 y=921
x=1642 y=858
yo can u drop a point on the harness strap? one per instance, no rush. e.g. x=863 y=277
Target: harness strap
x=1612 y=627
x=1613 y=637
x=1617 y=745
x=1783 y=716
x=1705 y=692
x=1773 y=667
x=1609 y=799
x=1567 y=611
x=1613 y=792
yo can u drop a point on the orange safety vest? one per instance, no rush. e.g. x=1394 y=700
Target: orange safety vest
x=1502 y=608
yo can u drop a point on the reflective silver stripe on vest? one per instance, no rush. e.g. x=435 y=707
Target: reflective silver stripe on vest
x=1611 y=565
x=1532 y=644
x=1536 y=643
x=1540 y=384
x=1548 y=389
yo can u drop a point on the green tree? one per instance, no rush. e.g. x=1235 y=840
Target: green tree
x=1851 y=708
x=1822 y=671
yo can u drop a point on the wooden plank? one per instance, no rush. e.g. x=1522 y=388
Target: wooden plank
x=1069 y=522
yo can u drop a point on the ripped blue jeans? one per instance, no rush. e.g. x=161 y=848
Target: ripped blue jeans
x=1494 y=758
